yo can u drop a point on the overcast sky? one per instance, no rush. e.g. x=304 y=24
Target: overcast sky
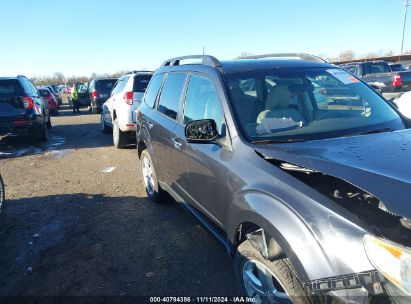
x=80 y=37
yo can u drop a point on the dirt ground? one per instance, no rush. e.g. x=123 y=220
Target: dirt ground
x=69 y=229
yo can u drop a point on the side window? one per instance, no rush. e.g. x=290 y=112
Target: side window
x=33 y=88
x=91 y=86
x=152 y=91
x=117 y=86
x=171 y=95
x=123 y=83
x=26 y=86
x=202 y=102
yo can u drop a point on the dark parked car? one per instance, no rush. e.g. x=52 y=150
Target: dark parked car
x=22 y=110
x=99 y=91
x=311 y=202
x=52 y=103
x=378 y=75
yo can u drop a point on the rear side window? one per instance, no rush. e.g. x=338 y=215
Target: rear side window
x=171 y=95
x=152 y=91
x=141 y=83
x=10 y=87
x=105 y=85
x=44 y=93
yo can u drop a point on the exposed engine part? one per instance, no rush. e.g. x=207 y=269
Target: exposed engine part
x=366 y=207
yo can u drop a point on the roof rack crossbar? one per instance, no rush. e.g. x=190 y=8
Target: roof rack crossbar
x=138 y=71
x=302 y=56
x=205 y=60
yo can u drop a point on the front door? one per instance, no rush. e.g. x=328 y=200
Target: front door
x=198 y=167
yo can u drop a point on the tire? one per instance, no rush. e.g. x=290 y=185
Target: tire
x=280 y=276
x=119 y=137
x=41 y=134
x=2 y=194
x=49 y=123
x=149 y=176
x=103 y=127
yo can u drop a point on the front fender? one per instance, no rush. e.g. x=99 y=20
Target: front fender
x=314 y=254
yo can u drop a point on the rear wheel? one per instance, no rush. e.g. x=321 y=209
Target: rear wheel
x=119 y=137
x=267 y=281
x=49 y=123
x=149 y=176
x=41 y=134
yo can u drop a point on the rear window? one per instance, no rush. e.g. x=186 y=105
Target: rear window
x=10 y=87
x=141 y=83
x=44 y=93
x=377 y=67
x=105 y=85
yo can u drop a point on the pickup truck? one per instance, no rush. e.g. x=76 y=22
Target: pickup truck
x=379 y=76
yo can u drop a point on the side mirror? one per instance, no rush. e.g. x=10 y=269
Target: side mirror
x=201 y=131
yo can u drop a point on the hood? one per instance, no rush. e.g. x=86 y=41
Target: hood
x=379 y=164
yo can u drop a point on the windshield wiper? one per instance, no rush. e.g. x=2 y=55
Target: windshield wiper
x=276 y=141
x=373 y=131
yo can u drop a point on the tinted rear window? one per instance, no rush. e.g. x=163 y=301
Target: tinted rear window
x=105 y=85
x=141 y=83
x=44 y=92
x=10 y=87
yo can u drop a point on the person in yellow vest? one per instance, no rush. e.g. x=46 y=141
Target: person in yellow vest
x=74 y=99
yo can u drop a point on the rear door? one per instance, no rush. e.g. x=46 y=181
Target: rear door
x=11 y=103
x=162 y=124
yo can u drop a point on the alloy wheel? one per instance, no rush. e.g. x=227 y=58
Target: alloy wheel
x=262 y=285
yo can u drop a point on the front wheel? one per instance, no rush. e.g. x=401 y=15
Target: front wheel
x=267 y=281
x=149 y=176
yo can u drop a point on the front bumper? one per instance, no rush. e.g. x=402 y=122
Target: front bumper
x=357 y=288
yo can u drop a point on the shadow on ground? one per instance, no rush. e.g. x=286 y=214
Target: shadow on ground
x=82 y=245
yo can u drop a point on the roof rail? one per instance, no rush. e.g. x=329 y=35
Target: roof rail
x=205 y=60
x=302 y=56
x=133 y=72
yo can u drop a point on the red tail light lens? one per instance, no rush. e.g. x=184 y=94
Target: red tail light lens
x=397 y=81
x=94 y=94
x=28 y=102
x=128 y=98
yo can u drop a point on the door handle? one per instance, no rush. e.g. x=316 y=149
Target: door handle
x=177 y=143
x=149 y=124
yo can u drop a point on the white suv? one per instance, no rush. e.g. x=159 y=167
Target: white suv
x=117 y=112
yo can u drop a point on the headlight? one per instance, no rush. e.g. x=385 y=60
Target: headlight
x=392 y=260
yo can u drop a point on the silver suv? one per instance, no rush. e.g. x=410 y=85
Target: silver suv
x=300 y=169
x=118 y=111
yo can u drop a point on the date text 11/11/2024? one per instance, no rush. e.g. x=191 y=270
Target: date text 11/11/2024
x=202 y=300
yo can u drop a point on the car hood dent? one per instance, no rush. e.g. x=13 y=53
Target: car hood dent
x=377 y=163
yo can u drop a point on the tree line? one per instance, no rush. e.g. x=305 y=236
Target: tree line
x=58 y=78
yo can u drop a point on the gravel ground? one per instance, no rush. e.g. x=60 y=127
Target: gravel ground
x=69 y=229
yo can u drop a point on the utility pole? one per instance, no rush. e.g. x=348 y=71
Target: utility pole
x=406 y=5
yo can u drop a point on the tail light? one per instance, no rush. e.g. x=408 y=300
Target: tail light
x=128 y=98
x=94 y=94
x=28 y=102
x=397 y=81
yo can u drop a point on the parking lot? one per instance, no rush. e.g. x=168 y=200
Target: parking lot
x=77 y=223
